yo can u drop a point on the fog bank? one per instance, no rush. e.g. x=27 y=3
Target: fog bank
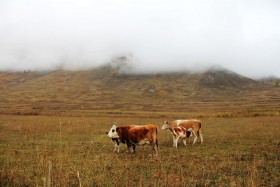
x=157 y=36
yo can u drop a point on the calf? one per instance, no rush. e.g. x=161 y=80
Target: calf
x=192 y=127
x=180 y=132
x=133 y=135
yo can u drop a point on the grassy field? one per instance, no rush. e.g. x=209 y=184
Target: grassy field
x=73 y=151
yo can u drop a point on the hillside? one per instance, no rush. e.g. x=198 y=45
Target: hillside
x=105 y=89
x=275 y=81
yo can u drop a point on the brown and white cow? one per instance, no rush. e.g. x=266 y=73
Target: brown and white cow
x=133 y=135
x=187 y=128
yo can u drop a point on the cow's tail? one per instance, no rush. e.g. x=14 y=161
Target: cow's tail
x=156 y=137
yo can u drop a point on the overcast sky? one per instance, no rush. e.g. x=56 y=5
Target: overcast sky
x=158 y=35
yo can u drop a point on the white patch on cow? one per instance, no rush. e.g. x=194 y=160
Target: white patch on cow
x=144 y=142
x=182 y=134
x=179 y=121
x=113 y=132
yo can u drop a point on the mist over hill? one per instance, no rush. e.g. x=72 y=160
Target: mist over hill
x=109 y=88
x=156 y=36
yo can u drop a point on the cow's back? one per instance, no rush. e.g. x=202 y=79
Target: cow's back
x=138 y=133
x=194 y=124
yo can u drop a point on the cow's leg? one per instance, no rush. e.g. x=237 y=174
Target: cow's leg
x=200 y=135
x=128 y=147
x=117 y=148
x=156 y=150
x=154 y=143
x=156 y=147
x=195 y=137
x=185 y=141
x=189 y=134
x=194 y=140
x=176 y=141
x=133 y=148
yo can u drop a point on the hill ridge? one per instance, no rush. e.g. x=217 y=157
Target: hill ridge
x=106 y=88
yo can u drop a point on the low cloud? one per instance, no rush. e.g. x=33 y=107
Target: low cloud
x=157 y=36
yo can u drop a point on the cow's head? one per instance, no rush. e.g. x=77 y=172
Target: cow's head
x=113 y=132
x=165 y=125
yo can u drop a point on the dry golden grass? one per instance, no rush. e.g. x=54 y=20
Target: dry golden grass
x=39 y=150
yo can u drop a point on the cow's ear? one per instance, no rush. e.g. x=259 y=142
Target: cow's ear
x=106 y=132
x=118 y=129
